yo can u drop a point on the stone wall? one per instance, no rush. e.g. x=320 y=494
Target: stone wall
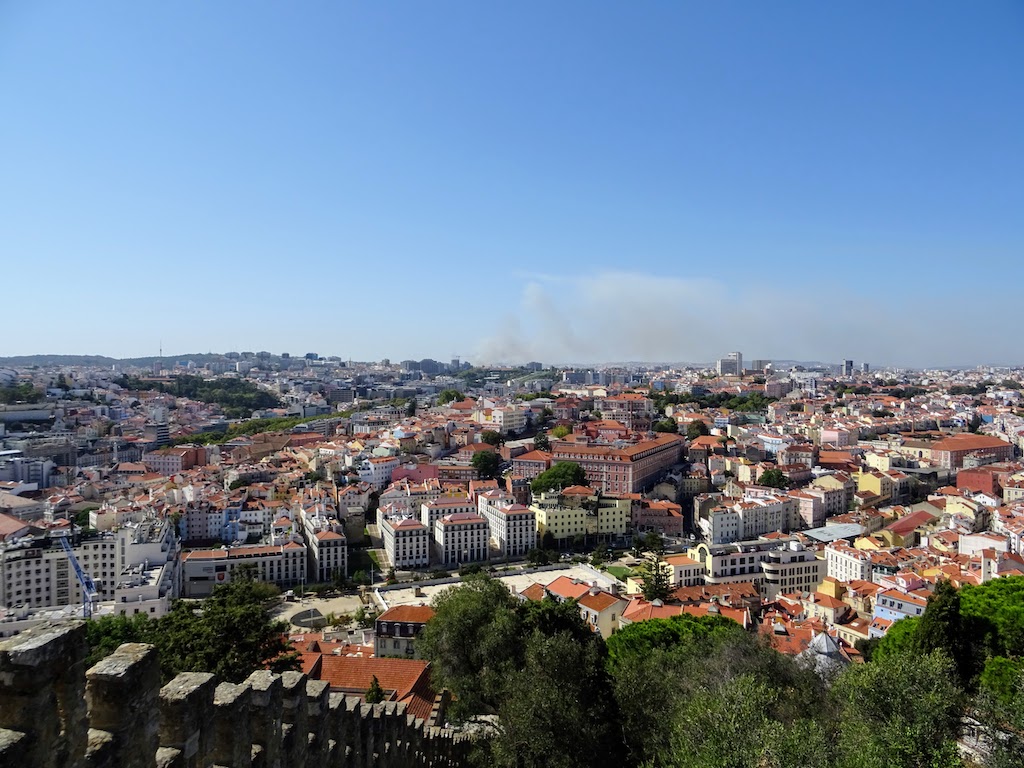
x=54 y=713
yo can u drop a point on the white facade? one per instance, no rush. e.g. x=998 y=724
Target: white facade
x=432 y=511
x=461 y=538
x=748 y=519
x=203 y=569
x=844 y=563
x=791 y=568
x=136 y=567
x=512 y=527
x=406 y=542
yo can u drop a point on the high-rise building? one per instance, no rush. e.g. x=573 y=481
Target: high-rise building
x=865 y=368
x=847 y=367
x=760 y=365
x=731 y=364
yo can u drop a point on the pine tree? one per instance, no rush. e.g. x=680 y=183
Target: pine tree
x=374 y=694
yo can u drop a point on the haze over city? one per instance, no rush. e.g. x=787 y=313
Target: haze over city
x=578 y=182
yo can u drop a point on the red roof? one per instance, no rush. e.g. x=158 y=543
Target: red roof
x=406 y=680
x=413 y=614
x=565 y=587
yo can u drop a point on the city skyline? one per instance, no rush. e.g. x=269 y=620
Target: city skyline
x=571 y=183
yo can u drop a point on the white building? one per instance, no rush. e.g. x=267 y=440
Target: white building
x=377 y=470
x=844 y=563
x=136 y=567
x=203 y=569
x=748 y=519
x=686 y=572
x=736 y=562
x=791 y=568
x=432 y=511
x=461 y=538
x=406 y=542
x=512 y=527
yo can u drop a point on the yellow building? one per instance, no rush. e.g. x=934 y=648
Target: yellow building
x=579 y=511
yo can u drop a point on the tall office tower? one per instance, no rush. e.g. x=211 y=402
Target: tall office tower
x=759 y=365
x=731 y=364
x=865 y=368
x=847 y=367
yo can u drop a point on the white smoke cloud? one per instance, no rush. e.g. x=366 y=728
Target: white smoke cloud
x=618 y=315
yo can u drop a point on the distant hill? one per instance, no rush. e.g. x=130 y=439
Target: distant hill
x=102 y=361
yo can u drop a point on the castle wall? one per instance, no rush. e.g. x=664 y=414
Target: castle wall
x=54 y=713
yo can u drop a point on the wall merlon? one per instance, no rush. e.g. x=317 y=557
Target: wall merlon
x=56 y=714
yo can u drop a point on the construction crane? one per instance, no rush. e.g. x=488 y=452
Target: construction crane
x=89 y=593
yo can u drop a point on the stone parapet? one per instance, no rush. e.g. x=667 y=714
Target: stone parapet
x=56 y=714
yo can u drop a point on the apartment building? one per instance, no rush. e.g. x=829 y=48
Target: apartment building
x=504 y=420
x=171 y=461
x=406 y=542
x=329 y=551
x=736 y=562
x=845 y=563
x=621 y=469
x=748 y=518
x=280 y=564
x=810 y=508
x=136 y=567
x=791 y=568
x=398 y=628
x=461 y=538
x=377 y=470
x=632 y=409
x=431 y=511
x=579 y=511
x=686 y=572
x=512 y=527
x=836 y=481
x=406 y=496
x=531 y=464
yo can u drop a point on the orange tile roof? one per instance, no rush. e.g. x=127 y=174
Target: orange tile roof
x=534 y=592
x=599 y=602
x=408 y=679
x=414 y=614
x=565 y=587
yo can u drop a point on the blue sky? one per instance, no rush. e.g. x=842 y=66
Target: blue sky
x=571 y=181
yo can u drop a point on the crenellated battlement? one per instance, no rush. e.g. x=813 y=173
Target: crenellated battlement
x=56 y=714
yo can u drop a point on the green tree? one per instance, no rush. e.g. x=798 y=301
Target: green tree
x=538 y=557
x=559 y=432
x=231 y=633
x=562 y=475
x=773 y=478
x=446 y=396
x=106 y=633
x=374 y=694
x=491 y=437
x=468 y=643
x=486 y=464
x=696 y=429
x=541 y=442
x=666 y=425
x=557 y=711
x=410 y=408
x=696 y=633
x=900 y=640
x=942 y=628
x=899 y=712
x=657 y=584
